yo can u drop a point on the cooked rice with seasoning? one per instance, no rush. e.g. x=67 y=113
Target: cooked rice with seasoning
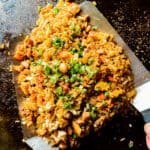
x=73 y=77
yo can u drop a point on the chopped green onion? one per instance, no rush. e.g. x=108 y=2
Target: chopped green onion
x=93 y=115
x=74 y=35
x=59 y=90
x=41 y=62
x=119 y=98
x=67 y=105
x=94 y=27
x=77 y=67
x=74 y=136
x=73 y=78
x=61 y=98
x=92 y=73
x=109 y=83
x=90 y=61
x=34 y=63
x=56 y=63
x=49 y=27
x=104 y=103
x=56 y=10
x=39 y=8
x=82 y=69
x=80 y=52
x=69 y=97
x=47 y=70
x=54 y=53
x=88 y=69
x=55 y=70
x=39 y=51
x=54 y=79
x=57 y=42
x=78 y=31
x=94 y=109
x=45 y=81
x=73 y=50
x=81 y=46
x=67 y=80
x=84 y=90
x=72 y=26
x=87 y=106
x=61 y=79
x=130 y=144
x=106 y=94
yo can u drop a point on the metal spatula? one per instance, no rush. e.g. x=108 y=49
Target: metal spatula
x=141 y=79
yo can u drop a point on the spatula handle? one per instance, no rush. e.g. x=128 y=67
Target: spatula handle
x=146 y=115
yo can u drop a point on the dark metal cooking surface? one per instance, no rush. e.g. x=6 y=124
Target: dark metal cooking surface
x=133 y=27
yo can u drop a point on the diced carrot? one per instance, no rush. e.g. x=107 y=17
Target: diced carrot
x=111 y=105
x=18 y=56
x=63 y=55
x=41 y=79
x=110 y=78
x=65 y=88
x=101 y=97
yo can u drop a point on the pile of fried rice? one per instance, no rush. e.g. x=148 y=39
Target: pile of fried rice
x=72 y=76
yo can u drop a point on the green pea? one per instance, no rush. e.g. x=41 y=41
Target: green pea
x=106 y=94
x=67 y=105
x=73 y=78
x=56 y=10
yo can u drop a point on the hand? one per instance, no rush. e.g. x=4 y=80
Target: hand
x=147 y=131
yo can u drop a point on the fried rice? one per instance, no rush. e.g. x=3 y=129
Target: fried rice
x=72 y=76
